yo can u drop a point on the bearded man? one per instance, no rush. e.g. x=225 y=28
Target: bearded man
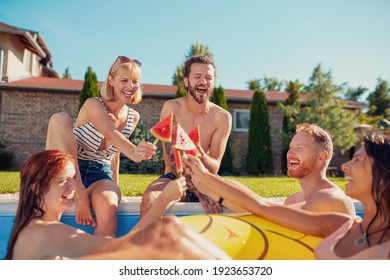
x=190 y=111
x=308 y=157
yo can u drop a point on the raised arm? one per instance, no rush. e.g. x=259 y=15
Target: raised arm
x=318 y=224
x=57 y=239
x=173 y=191
x=93 y=111
x=165 y=239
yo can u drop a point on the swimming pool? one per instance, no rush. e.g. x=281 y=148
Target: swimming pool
x=128 y=215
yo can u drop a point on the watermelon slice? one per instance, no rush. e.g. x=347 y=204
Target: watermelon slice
x=163 y=129
x=194 y=152
x=195 y=135
x=181 y=140
x=179 y=165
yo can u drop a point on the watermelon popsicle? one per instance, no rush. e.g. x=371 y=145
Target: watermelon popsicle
x=163 y=129
x=178 y=162
x=181 y=140
x=195 y=137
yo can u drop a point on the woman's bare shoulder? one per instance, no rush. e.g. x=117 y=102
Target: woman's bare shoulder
x=32 y=241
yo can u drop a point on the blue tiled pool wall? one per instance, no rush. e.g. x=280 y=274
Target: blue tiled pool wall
x=125 y=223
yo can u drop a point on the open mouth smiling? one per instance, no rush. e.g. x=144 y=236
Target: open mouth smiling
x=293 y=163
x=201 y=89
x=128 y=94
x=348 y=180
x=68 y=197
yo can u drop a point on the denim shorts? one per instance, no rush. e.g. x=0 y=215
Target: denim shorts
x=92 y=171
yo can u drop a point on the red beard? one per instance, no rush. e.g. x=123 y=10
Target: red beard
x=304 y=169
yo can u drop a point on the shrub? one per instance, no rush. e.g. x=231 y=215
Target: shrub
x=153 y=166
x=6 y=157
x=259 y=159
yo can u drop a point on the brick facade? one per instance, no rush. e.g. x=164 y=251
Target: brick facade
x=24 y=116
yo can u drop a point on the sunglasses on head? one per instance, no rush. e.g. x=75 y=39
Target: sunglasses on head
x=125 y=59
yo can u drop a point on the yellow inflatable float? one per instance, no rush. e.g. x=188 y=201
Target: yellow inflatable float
x=247 y=237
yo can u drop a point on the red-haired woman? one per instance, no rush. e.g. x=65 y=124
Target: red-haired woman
x=47 y=187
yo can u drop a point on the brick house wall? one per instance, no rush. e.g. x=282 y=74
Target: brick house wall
x=24 y=116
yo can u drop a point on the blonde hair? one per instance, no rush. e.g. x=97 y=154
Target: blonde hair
x=320 y=135
x=130 y=68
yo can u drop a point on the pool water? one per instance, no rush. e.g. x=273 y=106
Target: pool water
x=128 y=217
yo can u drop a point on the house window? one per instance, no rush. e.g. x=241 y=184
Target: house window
x=27 y=60
x=241 y=120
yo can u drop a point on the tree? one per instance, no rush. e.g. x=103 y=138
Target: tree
x=6 y=156
x=90 y=86
x=152 y=166
x=293 y=89
x=266 y=83
x=355 y=93
x=253 y=84
x=219 y=98
x=259 y=159
x=66 y=74
x=380 y=98
x=324 y=109
x=177 y=78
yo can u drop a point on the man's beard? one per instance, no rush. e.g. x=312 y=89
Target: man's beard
x=197 y=98
x=305 y=168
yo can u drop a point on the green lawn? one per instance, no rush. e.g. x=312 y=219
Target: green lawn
x=134 y=184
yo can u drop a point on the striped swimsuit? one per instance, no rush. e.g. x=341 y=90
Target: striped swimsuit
x=89 y=140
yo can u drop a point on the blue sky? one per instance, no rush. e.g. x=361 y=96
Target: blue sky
x=249 y=38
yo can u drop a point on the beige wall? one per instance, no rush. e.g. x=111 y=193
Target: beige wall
x=18 y=62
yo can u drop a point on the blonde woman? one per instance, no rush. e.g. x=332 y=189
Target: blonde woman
x=100 y=133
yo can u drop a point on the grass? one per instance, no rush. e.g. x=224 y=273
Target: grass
x=135 y=184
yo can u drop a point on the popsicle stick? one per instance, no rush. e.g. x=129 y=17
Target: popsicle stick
x=155 y=142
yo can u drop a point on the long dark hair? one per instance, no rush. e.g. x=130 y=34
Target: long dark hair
x=36 y=176
x=378 y=149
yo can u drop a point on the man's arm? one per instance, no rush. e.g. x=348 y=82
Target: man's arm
x=212 y=160
x=165 y=111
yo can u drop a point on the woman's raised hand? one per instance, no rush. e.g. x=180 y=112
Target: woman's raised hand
x=144 y=151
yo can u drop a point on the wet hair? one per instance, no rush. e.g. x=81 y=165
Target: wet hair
x=320 y=135
x=377 y=147
x=36 y=176
x=130 y=68
x=197 y=59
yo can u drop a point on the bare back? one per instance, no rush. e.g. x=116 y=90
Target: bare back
x=53 y=240
x=327 y=199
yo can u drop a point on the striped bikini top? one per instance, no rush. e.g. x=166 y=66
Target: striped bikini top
x=89 y=140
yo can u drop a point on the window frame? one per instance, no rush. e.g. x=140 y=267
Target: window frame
x=236 y=112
